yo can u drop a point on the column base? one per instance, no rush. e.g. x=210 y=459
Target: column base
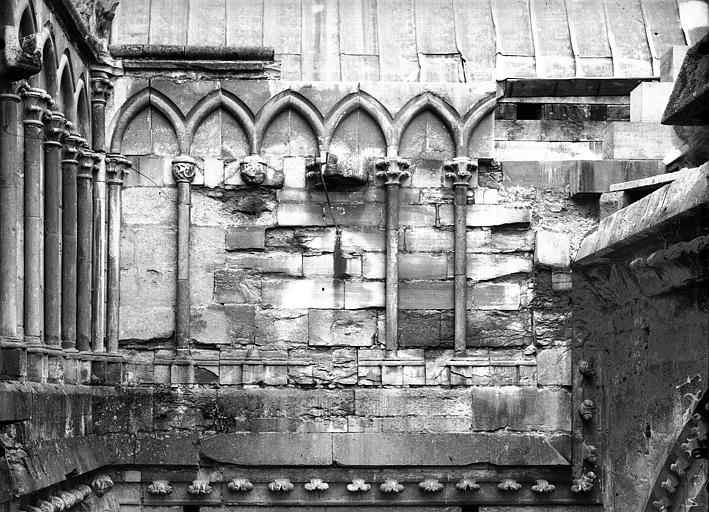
x=71 y=366
x=182 y=372
x=55 y=364
x=13 y=359
x=114 y=369
x=37 y=363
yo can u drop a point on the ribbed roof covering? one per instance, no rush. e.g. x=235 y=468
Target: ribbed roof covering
x=422 y=40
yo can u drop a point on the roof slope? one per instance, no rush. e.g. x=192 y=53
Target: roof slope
x=421 y=40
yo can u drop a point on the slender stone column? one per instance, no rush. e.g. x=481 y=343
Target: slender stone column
x=100 y=88
x=84 y=215
x=392 y=170
x=116 y=166
x=183 y=170
x=70 y=169
x=463 y=173
x=8 y=214
x=98 y=274
x=36 y=102
x=54 y=127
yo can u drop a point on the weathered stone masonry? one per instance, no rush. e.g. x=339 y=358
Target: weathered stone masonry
x=258 y=276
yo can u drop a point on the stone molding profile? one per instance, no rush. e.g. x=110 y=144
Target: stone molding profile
x=323 y=125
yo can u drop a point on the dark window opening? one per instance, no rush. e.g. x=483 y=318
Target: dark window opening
x=529 y=111
x=190 y=508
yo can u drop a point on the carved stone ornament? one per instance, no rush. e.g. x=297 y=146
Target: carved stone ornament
x=101 y=485
x=253 y=170
x=586 y=410
x=72 y=145
x=680 y=466
x=87 y=160
x=160 y=488
x=57 y=503
x=85 y=490
x=587 y=368
x=543 y=487
x=392 y=170
x=509 y=484
x=467 y=484
x=670 y=484
x=280 y=485
x=584 y=483
x=391 y=486
x=358 y=485
x=431 y=485
x=316 y=484
x=240 y=485
x=663 y=504
x=68 y=498
x=461 y=171
x=116 y=168
x=54 y=126
x=46 y=506
x=491 y=175
x=200 y=487
x=35 y=103
x=589 y=453
x=100 y=88
x=183 y=169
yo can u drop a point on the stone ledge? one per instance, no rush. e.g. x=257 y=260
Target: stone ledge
x=378 y=450
x=645 y=218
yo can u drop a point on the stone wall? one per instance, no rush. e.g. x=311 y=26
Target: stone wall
x=641 y=315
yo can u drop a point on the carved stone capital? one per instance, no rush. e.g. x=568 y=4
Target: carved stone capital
x=35 y=102
x=54 y=127
x=116 y=167
x=183 y=169
x=462 y=171
x=392 y=170
x=100 y=89
x=87 y=161
x=72 y=145
x=253 y=170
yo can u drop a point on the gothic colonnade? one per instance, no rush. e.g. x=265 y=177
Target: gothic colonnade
x=71 y=239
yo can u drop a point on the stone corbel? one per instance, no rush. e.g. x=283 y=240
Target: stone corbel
x=467 y=484
x=280 y=485
x=19 y=59
x=543 y=487
x=240 y=485
x=160 y=488
x=200 y=487
x=586 y=410
x=253 y=170
x=101 y=485
x=431 y=485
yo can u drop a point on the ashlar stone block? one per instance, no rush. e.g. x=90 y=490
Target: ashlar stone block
x=327 y=327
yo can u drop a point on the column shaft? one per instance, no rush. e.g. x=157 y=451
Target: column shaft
x=460 y=267
x=183 y=170
x=84 y=215
x=98 y=275
x=70 y=168
x=8 y=214
x=35 y=104
x=54 y=130
x=116 y=165
x=393 y=171
x=462 y=171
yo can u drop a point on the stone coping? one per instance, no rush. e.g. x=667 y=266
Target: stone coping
x=687 y=195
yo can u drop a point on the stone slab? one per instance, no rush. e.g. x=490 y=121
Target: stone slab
x=640 y=141
x=269 y=449
x=648 y=101
x=648 y=184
